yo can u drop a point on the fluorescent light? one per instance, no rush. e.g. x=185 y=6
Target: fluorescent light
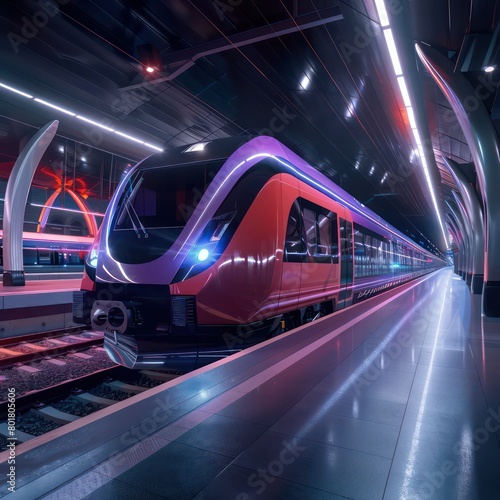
x=129 y=137
x=50 y=105
x=351 y=109
x=152 y=147
x=12 y=89
x=384 y=21
x=392 y=51
x=305 y=82
x=411 y=117
x=382 y=13
x=404 y=90
x=95 y=123
x=417 y=137
x=80 y=117
x=199 y=146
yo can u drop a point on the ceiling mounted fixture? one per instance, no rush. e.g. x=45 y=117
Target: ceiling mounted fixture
x=398 y=70
x=198 y=146
x=150 y=59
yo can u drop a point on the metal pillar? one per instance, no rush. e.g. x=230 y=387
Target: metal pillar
x=470 y=235
x=476 y=216
x=457 y=218
x=453 y=230
x=16 y=196
x=484 y=145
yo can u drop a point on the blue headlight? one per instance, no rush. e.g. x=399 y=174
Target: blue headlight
x=203 y=254
x=94 y=252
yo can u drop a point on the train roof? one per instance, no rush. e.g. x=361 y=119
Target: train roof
x=241 y=148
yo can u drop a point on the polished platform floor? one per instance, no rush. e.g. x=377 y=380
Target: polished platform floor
x=401 y=402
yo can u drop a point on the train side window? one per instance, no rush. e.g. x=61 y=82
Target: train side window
x=312 y=234
x=335 y=237
x=317 y=228
x=359 y=253
x=310 y=230
x=295 y=250
x=324 y=243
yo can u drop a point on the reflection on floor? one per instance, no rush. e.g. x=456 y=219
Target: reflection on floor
x=413 y=413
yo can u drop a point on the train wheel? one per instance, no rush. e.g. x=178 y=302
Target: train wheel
x=292 y=320
x=310 y=315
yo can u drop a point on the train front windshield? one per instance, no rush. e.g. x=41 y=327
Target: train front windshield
x=156 y=204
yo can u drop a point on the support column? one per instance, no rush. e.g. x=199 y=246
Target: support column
x=456 y=256
x=457 y=218
x=470 y=235
x=16 y=196
x=476 y=215
x=483 y=142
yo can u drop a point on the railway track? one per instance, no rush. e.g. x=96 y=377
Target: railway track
x=34 y=346
x=42 y=410
x=59 y=377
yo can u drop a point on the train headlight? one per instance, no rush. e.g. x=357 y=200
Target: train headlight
x=203 y=254
x=92 y=260
x=94 y=251
x=208 y=247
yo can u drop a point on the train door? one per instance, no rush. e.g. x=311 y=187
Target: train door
x=346 y=263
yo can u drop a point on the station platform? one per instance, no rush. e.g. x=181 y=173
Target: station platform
x=395 y=397
x=39 y=305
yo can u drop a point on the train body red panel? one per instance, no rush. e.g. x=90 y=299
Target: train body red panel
x=253 y=258
x=203 y=253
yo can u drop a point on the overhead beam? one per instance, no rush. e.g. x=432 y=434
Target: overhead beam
x=184 y=59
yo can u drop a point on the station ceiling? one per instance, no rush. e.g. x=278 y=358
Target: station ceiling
x=316 y=74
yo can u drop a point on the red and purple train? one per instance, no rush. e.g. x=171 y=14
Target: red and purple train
x=209 y=249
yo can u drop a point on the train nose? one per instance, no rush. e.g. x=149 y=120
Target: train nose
x=110 y=316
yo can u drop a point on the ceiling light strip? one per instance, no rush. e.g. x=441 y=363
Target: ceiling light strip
x=391 y=46
x=12 y=89
x=50 y=105
x=80 y=117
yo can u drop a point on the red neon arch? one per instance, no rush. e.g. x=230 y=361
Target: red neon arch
x=89 y=218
